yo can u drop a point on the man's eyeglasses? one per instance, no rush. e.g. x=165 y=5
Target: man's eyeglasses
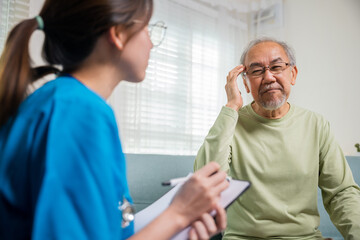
x=274 y=68
x=157 y=32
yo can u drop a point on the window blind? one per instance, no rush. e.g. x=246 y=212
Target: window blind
x=12 y=12
x=172 y=110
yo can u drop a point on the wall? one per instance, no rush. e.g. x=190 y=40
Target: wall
x=326 y=40
x=37 y=38
x=326 y=35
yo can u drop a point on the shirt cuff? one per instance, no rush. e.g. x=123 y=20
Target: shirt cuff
x=228 y=111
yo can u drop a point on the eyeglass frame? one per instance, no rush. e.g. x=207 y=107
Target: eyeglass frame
x=164 y=28
x=150 y=27
x=268 y=67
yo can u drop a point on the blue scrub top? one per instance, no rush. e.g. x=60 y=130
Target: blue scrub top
x=62 y=169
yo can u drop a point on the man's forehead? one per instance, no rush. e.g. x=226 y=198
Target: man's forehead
x=265 y=52
x=274 y=60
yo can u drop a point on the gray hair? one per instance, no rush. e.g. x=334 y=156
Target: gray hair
x=288 y=50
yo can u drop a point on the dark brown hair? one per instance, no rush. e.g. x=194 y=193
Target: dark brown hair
x=71 y=29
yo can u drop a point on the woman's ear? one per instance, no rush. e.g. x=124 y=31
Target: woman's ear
x=117 y=37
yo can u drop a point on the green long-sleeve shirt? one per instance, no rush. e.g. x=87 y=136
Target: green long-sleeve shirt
x=285 y=160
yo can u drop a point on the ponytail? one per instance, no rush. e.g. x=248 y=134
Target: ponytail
x=15 y=69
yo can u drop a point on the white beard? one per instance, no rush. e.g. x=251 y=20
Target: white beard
x=273 y=104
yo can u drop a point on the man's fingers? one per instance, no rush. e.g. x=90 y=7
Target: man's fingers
x=235 y=72
x=239 y=67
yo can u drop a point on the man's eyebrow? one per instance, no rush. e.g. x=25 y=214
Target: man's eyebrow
x=279 y=59
x=256 y=64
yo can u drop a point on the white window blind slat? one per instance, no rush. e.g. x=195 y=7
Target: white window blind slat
x=12 y=12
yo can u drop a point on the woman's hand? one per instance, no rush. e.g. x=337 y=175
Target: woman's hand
x=207 y=226
x=194 y=201
x=200 y=194
x=233 y=93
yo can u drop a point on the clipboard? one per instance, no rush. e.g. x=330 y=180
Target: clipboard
x=228 y=196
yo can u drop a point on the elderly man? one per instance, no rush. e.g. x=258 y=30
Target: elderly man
x=285 y=151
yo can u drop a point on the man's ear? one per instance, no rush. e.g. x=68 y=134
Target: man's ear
x=117 y=37
x=294 y=72
x=245 y=84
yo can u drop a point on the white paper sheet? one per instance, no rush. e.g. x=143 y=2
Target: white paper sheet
x=144 y=217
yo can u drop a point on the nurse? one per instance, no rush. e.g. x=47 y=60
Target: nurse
x=62 y=169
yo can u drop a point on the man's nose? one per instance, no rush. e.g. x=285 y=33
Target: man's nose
x=268 y=77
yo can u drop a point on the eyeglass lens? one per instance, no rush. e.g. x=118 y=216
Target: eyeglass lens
x=274 y=68
x=157 y=33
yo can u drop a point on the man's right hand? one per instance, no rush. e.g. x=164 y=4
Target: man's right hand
x=233 y=93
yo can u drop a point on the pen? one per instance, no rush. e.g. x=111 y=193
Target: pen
x=174 y=181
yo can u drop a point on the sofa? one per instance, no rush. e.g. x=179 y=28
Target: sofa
x=145 y=174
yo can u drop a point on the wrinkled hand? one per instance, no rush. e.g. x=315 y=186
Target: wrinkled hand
x=233 y=93
x=200 y=194
x=207 y=226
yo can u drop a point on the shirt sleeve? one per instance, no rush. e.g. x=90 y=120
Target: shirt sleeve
x=217 y=144
x=341 y=195
x=84 y=178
